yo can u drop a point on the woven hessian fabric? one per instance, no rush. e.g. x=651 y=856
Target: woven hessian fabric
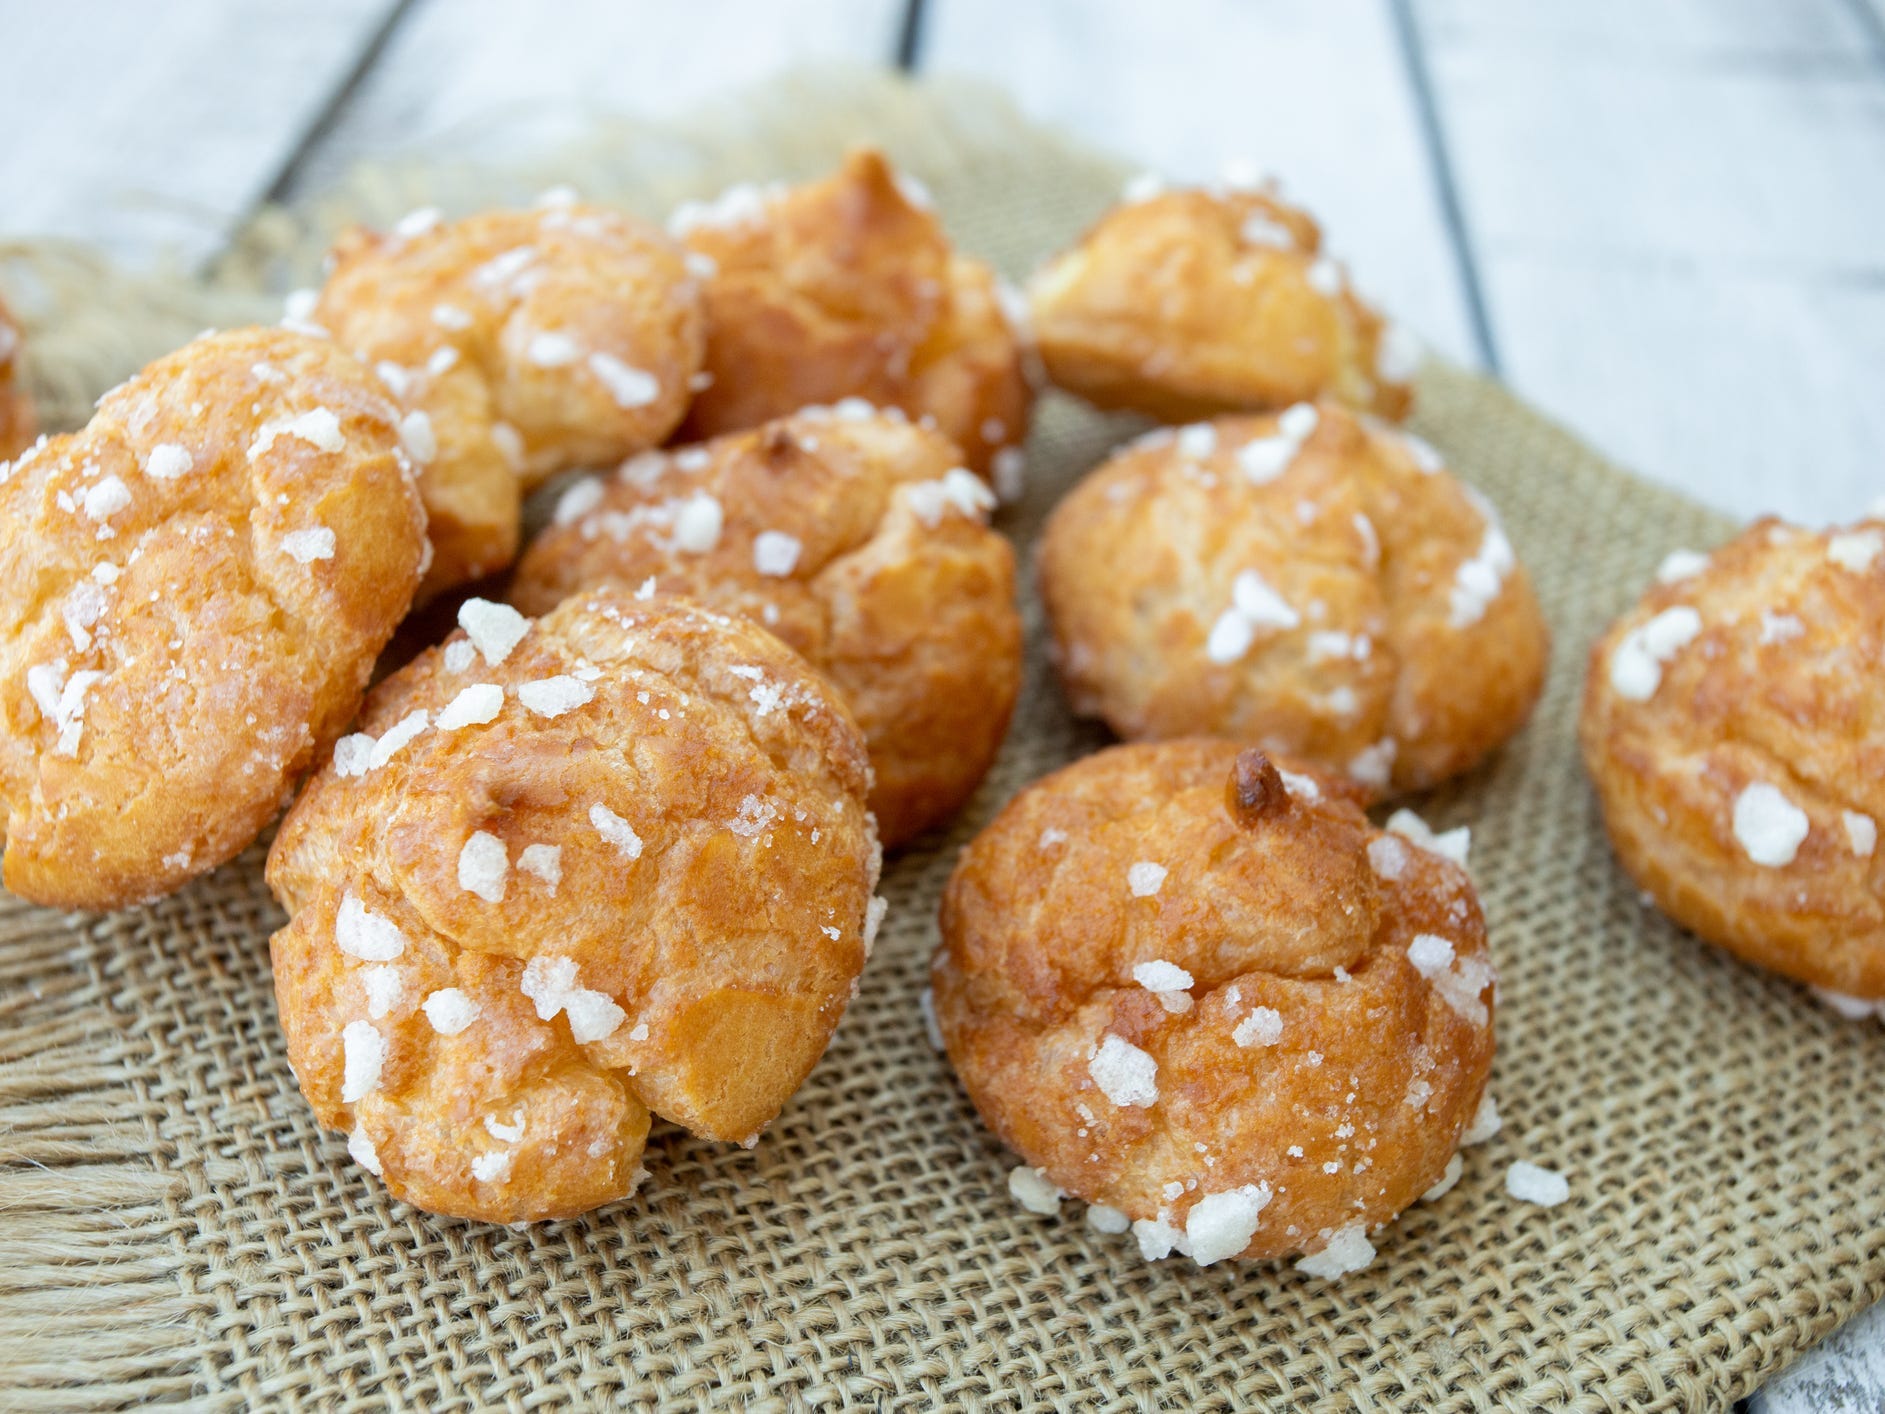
x=174 y=1225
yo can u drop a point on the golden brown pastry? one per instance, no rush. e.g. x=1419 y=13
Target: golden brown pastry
x=848 y=287
x=1307 y=582
x=854 y=536
x=197 y=585
x=1734 y=725
x=524 y=343
x=1194 y=987
x=564 y=874
x=1186 y=304
x=16 y=411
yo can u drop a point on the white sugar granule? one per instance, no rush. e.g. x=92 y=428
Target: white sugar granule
x=1455 y=844
x=1161 y=976
x=1374 y=765
x=353 y=755
x=1636 y=665
x=1221 y=1225
x=1769 y=826
x=546 y=982
x=1125 y=1074
x=775 y=553
x=1861 y=832
x=1252 y=596
x=552 y=697
x=615 y=830
x=1230 y=638
x=581 y=498
x=361 y=933
x=593 y=1016
x=630 y=387
x=168 y=461
x=494 y=628
x=1030 y=1188
x=1347 y=1250
x=1856 y=550
x=307 y=546
x=1529 y=1183
x=474 y=706
x=364 y=1154
x=458 y=654
x=1444 y=1184
x=553 y=349
x=363 y=1052
x=493 y=1167
x=1301 y=787
x=318 y=427
x=545 y=861
x=1145 y=878
x=418 y=438
x=697 y=524
x=957 y=489
x=450 y=316
x=1197 y=440
x=396 y=737
x=1263 y=1027
x=382 y=986
x=1479 y=580
x=1106 y=1220
x=1387 y=856
x=1485 y=1122
x=505 y=1131
x=926 y=1003
x=1680 y=564
x=1430 y=954
x=105 y=497
x=483 y=864
x=450 y=1011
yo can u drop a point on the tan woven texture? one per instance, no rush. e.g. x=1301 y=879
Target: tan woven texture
x=173 y=1226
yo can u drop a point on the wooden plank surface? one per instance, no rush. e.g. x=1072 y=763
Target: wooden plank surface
x=1679 y=214
x=498 y=79
x=1316 y=91
x=142 y=128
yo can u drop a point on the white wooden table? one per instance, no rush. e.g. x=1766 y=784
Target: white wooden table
x=1661 y=220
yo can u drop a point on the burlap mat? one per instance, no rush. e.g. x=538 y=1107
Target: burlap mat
x=173 y=1225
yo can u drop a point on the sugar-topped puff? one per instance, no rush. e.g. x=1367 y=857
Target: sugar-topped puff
x=1275 y=1051
x=849 y=287
x=1187 y=303
x=1734 y=725
x=856 y=537
x=521 y=343
x=16 y=409
x=563 y=874
x=215 y=560
x=1312 y=582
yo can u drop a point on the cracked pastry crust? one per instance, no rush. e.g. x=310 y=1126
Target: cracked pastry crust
x=1734 y=726
x=198 y=583
x=855 y=537
x=848 y=287
x=1186 y=304
x=565 y=874
x=17 y=424
x=1181 y=970
x=1312 y=583
x=524 y=343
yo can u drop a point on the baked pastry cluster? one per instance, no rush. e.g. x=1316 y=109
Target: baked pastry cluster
x=855 y=536
x=562 y=875
x=1191 y=985
x=1310 y=582
x=1734 y=726
x=198 y=583
x=848 y=287
x=16 y=410
x=1183 y=304
x=521 y=344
